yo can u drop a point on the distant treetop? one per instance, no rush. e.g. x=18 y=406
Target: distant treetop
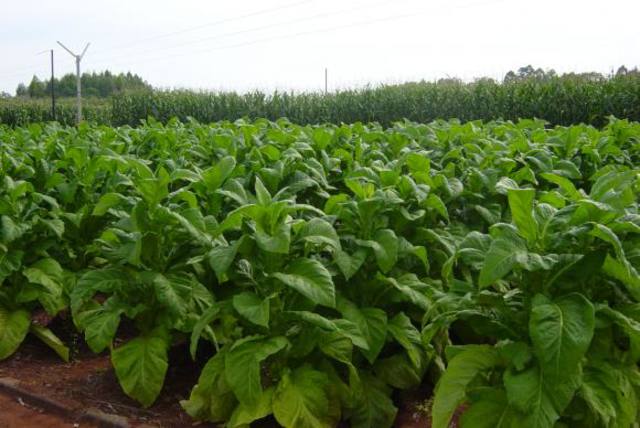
x=529 y=72
x=100 y=85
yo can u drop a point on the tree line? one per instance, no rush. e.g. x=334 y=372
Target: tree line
x=106 y=84
x=100 y=85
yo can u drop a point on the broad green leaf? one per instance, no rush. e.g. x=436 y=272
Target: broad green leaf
x=100 y=326
x=462 y=369
x=14 y=326
x=262 y=194
x=361 y=189
x=433 y=201
x=626 y=274
x=314 y=319
x=168 y=296
x=103 y=280
x=10 y=231
x=215 y=176
x=473 y=249
x=141 y=365
x=408 y=336
x=345 y=327
x=610 y=395
x=490 y=409
x=186 y=196
x=10 y=261
x=561 y=331
x=567 y=169
x=278 y=242
x=412 y=216
x=418 y=163
x=372 y=323
x=242 y=367
x=505 y=252
x=373 y=407
x=565 y=184
x=322 y=137
x=301 y=400
x=311 y=279
x=421 y=253
x=542 y=401
x=235 y=191
x=505 y=184
x=518 y=354
x=46 y=272
x=221 y=257
x=51 y=340
x=205 y=319
x=337 y=346
x=521 y=206
x=139 y=167
x=399 y=371
x=184 y=174
x=349 y=264
x=611 y=188
x=152 y=190
x=319 y=232
x=491 y=214
x=387 y=249
x=55 y=225
x=107 y=201
x=629 y=325
x=252 y=307
x=211 y=398
x=604 y=233
x=412 y=289
x=244 y=414
x=352 y=331
x=192 y=222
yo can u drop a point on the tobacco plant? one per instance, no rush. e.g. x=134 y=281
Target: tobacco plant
x=329 y=267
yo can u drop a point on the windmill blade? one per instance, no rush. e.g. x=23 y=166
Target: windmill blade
x=85 y=50
x=67 y=49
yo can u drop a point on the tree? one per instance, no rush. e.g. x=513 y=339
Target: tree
x=102 y=85
x=37 y=88
x=528 y=72
x=66 y=87
x=622 y=71
x=21 y=90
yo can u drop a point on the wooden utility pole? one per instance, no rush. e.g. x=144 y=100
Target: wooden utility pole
x=53 y=90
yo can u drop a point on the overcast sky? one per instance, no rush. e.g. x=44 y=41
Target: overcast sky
x=286 y=44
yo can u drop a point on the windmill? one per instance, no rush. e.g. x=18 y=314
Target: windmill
x=78 y=88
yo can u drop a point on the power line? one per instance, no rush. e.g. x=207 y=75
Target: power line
x=209 y=24
x=309 y=32
x=174 y=33
x=290 y=35
x=20 y=71
x=259 y=28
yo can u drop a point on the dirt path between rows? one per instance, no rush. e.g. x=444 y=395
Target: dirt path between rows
x=87 y=384
x=15 y=413
x=45 y=392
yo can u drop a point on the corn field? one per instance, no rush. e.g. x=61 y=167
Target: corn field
x=563 y=100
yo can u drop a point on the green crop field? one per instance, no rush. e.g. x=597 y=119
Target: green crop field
x=560 y=100
x=320 y=270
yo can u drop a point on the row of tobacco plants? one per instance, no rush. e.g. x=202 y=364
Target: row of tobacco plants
x=330 y=267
